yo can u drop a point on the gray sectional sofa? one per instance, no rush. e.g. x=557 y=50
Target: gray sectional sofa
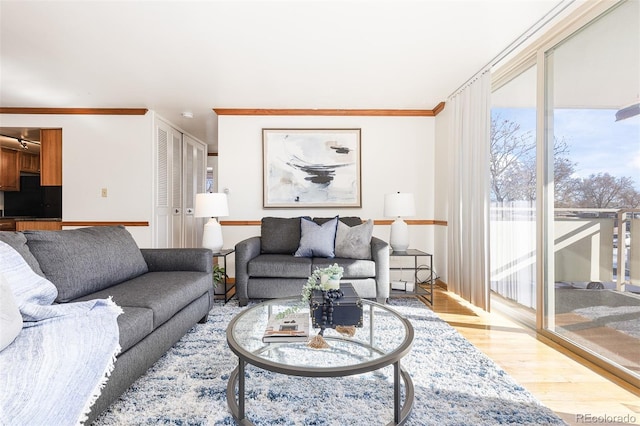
x=278 y=262
x=163 y=292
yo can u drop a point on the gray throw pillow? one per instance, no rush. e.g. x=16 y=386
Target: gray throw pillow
x=18 y=242
x=354 y=242
x=317 y=240
x=279 y=235
x=82 y=261
x=10 y=317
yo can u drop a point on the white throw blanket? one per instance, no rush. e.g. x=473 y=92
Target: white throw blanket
x=54 y=370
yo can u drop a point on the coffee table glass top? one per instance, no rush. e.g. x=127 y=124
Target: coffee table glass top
x=384 y=338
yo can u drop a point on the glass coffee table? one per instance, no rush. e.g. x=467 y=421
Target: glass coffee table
x=385 y=337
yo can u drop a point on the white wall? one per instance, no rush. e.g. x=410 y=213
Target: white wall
x=115 y=152
x=397 y=155
x=440 y=198
x=102 y=151
x=583 y=249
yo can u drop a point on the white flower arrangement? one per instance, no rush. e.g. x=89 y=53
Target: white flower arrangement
x=320 y=279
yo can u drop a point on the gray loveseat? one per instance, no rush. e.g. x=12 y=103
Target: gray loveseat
x=163 y=292
x=273 y=265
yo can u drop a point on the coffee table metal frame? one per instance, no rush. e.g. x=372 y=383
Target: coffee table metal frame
x=401 y=411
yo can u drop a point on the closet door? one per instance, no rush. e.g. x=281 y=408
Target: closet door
x=194 y=175
x=168 y=200
x=162 y=209
x=180 y=175
x=177 y=207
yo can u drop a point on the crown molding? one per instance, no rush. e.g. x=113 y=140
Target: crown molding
x=335 y=112
x=79 y=111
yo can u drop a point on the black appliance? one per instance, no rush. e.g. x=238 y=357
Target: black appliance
x=33 y=200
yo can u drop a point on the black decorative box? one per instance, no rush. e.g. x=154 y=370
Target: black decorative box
x=347 y=310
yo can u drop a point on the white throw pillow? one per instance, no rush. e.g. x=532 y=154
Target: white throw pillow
x=10 y=318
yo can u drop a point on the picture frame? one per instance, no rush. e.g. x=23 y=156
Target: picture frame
x=311 y=168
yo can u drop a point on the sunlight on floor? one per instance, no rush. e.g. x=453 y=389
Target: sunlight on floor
x=573 y=390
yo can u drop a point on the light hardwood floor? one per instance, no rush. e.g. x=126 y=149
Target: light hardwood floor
x=574 y=390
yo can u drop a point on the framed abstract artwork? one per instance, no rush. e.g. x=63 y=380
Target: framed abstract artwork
x=309 y=168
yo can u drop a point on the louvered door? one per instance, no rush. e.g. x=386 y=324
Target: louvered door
x=180 y=174
x=194 y=162
x=168 y=199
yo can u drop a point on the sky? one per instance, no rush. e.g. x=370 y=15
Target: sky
x=596 y=142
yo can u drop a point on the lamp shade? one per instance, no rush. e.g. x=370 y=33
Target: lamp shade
x=211 y=204
x=399 y=204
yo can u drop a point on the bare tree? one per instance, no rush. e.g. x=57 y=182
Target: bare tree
x=630 y=198
x=512 y=152
x=566 y=187
x=605 y=191
x=513 y=173
x=513 y=164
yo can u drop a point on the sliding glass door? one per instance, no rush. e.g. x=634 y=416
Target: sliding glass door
x=591 y=190
x=513 y=196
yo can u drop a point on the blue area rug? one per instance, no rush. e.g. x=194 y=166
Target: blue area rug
x=455 y=384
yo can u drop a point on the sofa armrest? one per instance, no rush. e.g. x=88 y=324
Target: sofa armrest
x=380 y=254
x=245 y=251
x=179 y=259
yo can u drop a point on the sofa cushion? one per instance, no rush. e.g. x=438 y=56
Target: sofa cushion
x=279 y=235
x=10 y=317
x=165 y=293
x=317 y=240
x=354 y=242
x=353 y=268
x=134 y=324
x=279 y=266
x=18 y=242
x=83 y=261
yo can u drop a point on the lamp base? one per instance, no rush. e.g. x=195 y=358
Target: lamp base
x=399 y=238
x=212 y=236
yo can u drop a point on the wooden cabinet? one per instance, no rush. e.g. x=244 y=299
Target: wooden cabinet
x=51 y=157
x=7 y=225
x=29 y=162
x=33 y=225
x=9 y=170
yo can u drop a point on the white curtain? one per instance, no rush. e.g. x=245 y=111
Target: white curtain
x=468 y=191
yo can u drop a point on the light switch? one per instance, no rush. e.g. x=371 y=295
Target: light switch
x=104 y=192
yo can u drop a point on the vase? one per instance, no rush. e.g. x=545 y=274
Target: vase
x=333 y=282
x=330 y=282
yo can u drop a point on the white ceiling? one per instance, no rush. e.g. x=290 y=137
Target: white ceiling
x=175 y=56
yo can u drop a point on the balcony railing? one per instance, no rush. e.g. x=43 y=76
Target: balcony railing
x=590 y=245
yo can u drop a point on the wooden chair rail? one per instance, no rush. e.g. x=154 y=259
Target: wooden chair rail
x=104 y=223
x=375 y=222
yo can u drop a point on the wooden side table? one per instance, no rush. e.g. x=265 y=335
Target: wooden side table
x=223 y=254
x=426 y=294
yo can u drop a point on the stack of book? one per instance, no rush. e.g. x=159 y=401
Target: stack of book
x=291 y=328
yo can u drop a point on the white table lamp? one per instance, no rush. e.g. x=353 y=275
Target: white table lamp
x=398 y=205
x=212 y=205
